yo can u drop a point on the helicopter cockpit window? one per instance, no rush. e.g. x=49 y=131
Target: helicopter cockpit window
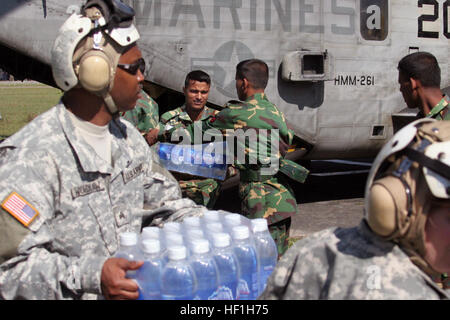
x=374 y=16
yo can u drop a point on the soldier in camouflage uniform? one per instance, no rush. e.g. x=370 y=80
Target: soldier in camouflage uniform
x=204 y=191
x=401 y=245
x=145 y=115
x=263 y=195
x=78 y=175
x=420 y=81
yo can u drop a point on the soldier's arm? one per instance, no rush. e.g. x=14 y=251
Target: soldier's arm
x=32 y=266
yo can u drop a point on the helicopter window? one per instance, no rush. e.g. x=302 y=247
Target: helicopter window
x=374 y=17
x=378 y=132
x=313 y=65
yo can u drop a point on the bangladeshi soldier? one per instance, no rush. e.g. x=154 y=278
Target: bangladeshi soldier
x=145 y=115
x=204 y=191
x=78 y=175
x=400 y=250
x=263 y=189
x=420 y=80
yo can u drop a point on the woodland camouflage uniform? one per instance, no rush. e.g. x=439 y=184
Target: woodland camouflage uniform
x=145 y=115
x=440 y=111
x=262 y=196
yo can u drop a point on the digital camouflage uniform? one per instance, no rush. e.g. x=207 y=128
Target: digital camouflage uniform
x=80 y=204
x=262 y=196
x=145 y=115
x=204 y=191
x=349 y=263
x=439 y=109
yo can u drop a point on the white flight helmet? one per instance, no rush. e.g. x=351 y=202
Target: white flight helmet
x=410 y=169
x=87 y=50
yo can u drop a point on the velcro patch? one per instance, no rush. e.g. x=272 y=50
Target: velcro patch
x=20 y=209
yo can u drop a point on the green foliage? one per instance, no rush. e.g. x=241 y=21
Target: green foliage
x=22 y=102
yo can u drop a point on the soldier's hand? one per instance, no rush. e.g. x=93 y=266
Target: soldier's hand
x=152 y=136
x=115 y=286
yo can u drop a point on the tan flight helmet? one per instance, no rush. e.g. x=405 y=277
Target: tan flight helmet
x=88 y=47
x=409 y=171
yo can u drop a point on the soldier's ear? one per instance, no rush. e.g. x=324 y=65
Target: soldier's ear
x=414 y=83
x=245 y=83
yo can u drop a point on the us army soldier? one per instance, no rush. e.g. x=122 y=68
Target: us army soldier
x=204 y=191
x=420 y=80
x=78 y=175
x=400 y=247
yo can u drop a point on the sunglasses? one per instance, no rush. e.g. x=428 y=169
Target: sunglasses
x=133 y=67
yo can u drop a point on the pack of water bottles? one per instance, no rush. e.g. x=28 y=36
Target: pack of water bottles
x=205 y=160
x=213 y=257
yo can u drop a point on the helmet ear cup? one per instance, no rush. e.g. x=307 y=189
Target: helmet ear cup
x=388 y=206
x=94 y=71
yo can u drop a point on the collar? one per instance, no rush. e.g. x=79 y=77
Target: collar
x=207 y=112
x=257 y=97
x=437 y=109
x=87 y=157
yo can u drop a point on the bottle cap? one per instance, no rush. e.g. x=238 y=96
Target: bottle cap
x=151 y=246
x=174 y=239
x=172 y=226
x=233 y=219
x=221 y=240
x=259 y=225
x=240 y=232
x=214 y=227
x=195 y=233
x=192 y=222
x=177 y=252
x=200 y=246
x=150 y=233
x=128 y=238
x=211 y=215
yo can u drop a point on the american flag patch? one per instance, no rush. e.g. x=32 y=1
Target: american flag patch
x=20 y=209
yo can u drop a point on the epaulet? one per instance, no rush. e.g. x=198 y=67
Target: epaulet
x=170 y=115
x=234 y=103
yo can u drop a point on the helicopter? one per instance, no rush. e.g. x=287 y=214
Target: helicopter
x=332 y=63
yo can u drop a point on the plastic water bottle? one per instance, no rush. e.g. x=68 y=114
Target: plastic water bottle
x=191 y=223
x=205 y=269
x=172 y=227
x=178 y=281
x=172 y=239
x=227 y=265
x=211 y=216
x=128 y=249
x=232 y=220
x=212 y=228
x=153 y=233
x=191 y=235
x=248 y=262
x=149 y=275
x=266 y=249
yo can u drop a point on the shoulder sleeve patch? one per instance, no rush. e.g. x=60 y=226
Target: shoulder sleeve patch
x=19 y=208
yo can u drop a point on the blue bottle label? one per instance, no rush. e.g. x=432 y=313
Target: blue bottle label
x=243 y=291
x=223 y=293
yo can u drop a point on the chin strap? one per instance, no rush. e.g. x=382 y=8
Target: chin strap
x=112 y=108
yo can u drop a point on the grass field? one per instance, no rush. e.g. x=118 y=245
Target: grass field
x=21 y=102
